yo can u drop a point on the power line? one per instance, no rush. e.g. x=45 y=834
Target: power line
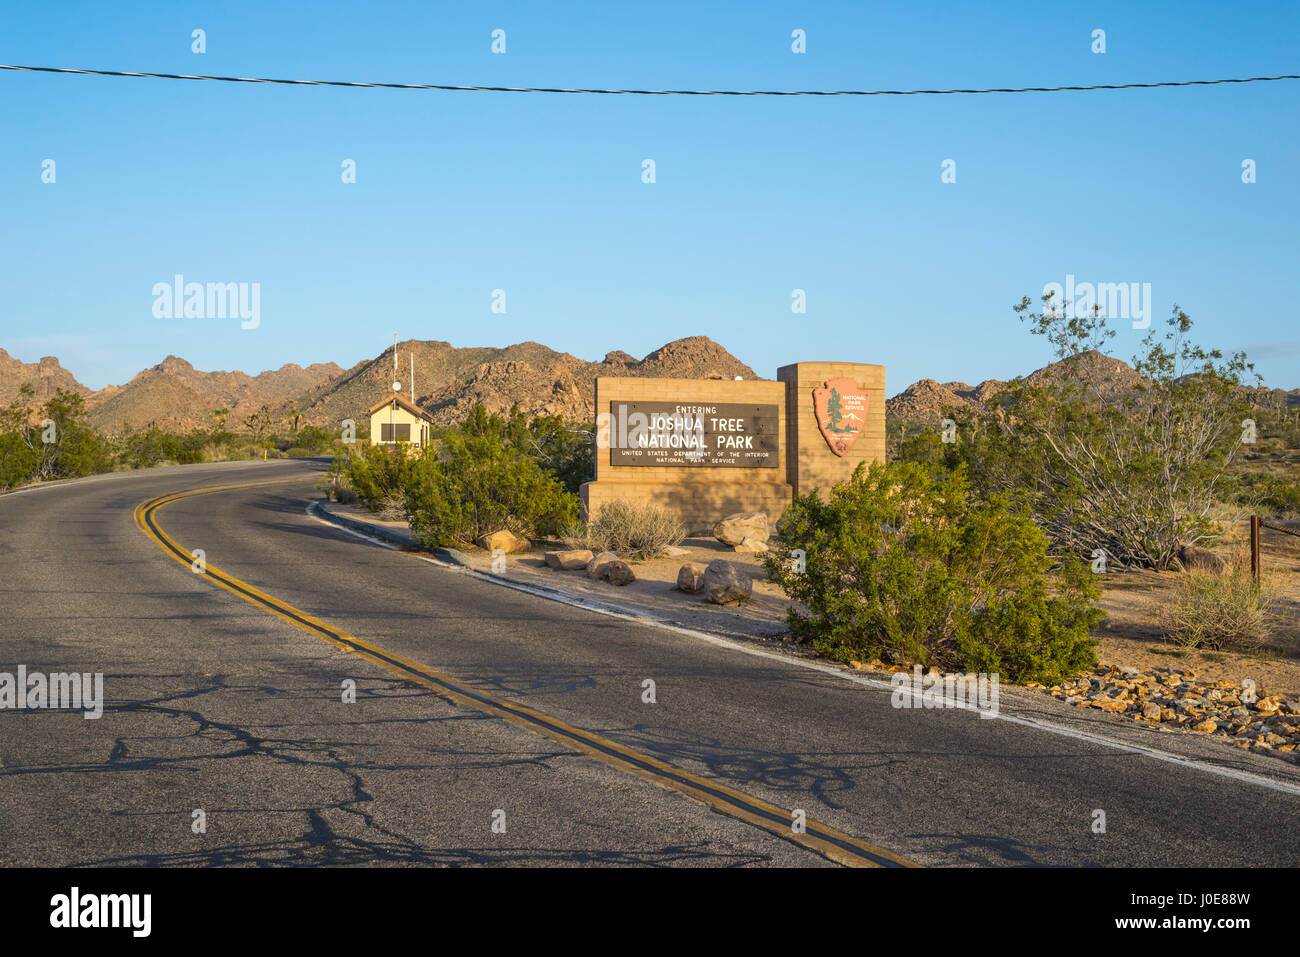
x=547 y=89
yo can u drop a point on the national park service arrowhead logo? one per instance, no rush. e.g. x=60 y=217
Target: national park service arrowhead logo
x=841 y=410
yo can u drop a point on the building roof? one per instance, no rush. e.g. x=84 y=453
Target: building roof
x=402 y=403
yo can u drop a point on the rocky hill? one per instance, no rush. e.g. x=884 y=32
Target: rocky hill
x=175 y=396
x=45 y=377
x=925 y=402
x=541 y=381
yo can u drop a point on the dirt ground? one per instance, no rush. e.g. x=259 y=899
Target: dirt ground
x=1131 y=635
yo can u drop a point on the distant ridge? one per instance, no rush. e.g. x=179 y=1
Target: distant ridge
x=539 y=380
x=45 y=377
x=175 y=396
x=926 y=401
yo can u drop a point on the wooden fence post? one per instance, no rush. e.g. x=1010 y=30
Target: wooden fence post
x=1254 y=547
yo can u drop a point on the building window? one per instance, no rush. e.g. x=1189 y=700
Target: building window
x=402 y=430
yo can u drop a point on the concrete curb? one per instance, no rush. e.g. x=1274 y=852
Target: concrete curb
x=390 y=535
x=456 y=559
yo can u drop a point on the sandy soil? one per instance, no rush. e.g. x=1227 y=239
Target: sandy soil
x=1131 y=634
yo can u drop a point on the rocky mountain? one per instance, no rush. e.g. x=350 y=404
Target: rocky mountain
x=541 y=381
x=45 y=378
x=175 y=396
x=925 y=402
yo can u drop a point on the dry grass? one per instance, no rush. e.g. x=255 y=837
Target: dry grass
x=629 y=530
x=392 y=508
x=1227 y=611
x=1136 y=631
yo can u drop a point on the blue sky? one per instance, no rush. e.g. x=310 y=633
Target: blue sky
x=458 y=194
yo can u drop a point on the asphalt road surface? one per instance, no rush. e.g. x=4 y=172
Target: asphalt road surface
x=491 y=726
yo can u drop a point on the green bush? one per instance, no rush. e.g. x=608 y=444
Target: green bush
x=1134 y=465
x=901 y=563
x=312 y=440
x=477 y=482
x=629 y=529
x=567 y=452
x=1274 y=496
x=60 y=446
x=19 y=459
x=375 y=473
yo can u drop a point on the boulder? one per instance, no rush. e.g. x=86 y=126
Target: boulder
x=751 y=546
x=734 y=529
x=573 y=559
x=505 y=540
x=726 y=584
x=619 y=572
x=690 y=578
x=675 y=551
x=598 y=566
x=1201 y=559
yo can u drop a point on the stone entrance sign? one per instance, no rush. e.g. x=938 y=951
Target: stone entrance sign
x=703 y=449
x=693 y=434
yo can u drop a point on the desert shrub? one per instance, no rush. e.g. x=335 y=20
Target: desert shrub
x=295 y=452
x=629 y=529
x=1274 y=496
x=1136 y=466
x=337 y=486
x=902 y=563
x=392 y=508
x=1217 y=611
x=19 y=459
x=312 y=440
x=147 y=448
x=478 y=481
x=566 y=451
x=376 y=474
x=61 y=446
x=153 y=446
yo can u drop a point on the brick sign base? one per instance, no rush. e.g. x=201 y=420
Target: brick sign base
x=770 y=447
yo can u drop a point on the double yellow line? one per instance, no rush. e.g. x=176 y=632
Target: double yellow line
x=827 y=841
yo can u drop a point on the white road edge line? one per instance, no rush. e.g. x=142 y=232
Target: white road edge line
x=1176 y=759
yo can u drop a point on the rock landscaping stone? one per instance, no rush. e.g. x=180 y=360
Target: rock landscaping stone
x=1201 y=559
x=734 y=529
x=675 y=551
x=751 y=546
x=690 y=578
x=1175 y=698
x=619 y=572
x=505 y=540
x=726 y=584
x=572 y=559
x=598 y=566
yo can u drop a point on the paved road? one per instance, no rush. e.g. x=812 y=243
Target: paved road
x=214 y=704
